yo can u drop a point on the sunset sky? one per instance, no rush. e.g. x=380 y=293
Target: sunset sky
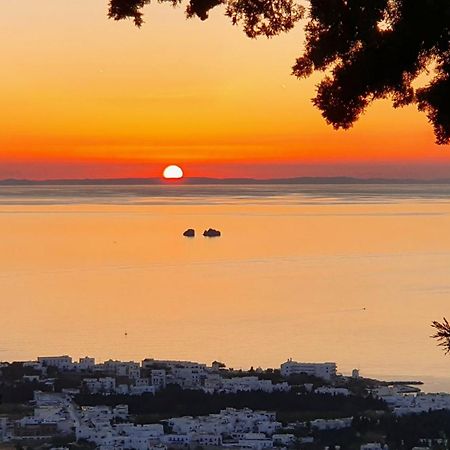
x=84 y=96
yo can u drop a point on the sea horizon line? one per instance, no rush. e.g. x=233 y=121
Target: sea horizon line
x=219 y=181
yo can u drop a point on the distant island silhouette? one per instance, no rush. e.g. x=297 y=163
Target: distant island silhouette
x=211 y=232
x=220 y=181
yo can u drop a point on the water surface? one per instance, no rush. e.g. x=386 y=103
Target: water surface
x=345 y=273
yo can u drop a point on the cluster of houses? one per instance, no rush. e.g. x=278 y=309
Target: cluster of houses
x=112 y=428
x=109 y=428
x=150 y=376
x=403 y=401
x=56 y=413
x=229 y=428
x=153 y=376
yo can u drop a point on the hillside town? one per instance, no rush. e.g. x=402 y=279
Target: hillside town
x=58 y=403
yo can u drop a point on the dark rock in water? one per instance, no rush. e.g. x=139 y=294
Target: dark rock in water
x=211 y=232
x=189 y=232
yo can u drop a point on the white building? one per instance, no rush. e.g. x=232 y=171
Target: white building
x=60 y=362
x=188 y=377
x=268 y=427
x=143 y=389
x=215 y=383
x=106 y=385
x=122 y=389
x=120 y=411
x=128 y=369
x=284 y=440
x=141 y=382
x=149 y=431
x=158 y=379
x=52 y=415
x=50 y=398
x=326 y=370
x=3 y=428
x=204 y=439
x=150 y=363
x=255 y=441
x=85 y=364
x=33 y=364
x=332 y=390
x=374 y=446
x=176 y=439
x=332 y=424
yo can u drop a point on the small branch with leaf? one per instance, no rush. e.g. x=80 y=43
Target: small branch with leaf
x=442 y=334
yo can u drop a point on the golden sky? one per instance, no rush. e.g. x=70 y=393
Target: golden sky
x=84 y=96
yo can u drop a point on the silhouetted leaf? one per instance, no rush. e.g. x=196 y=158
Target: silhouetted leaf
x=442 y=334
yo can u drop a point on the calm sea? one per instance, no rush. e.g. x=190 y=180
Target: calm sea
x=347 y=273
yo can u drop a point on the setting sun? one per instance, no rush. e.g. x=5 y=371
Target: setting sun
x=173 y=172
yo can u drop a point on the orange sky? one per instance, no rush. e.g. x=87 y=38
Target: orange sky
x=83 y=96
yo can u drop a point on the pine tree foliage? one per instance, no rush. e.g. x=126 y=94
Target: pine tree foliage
x=366 y=49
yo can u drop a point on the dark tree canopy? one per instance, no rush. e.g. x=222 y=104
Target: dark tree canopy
x=367 y=49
